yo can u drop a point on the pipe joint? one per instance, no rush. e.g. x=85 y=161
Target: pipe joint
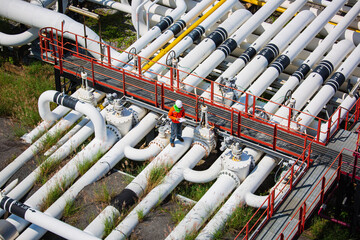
x=231 y=175
x=116 y=131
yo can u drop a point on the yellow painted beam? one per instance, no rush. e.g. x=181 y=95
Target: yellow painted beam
x=178 y=39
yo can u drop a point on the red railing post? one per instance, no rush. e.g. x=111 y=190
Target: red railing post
x=139 y=65
x=318 y=130
x=338 y=120
x=281 y=236
x=212 y=91
x=171 y=77
x=123 y=75
x=239 y=124
x=77 y=45
x=108 y=54
x=339 y=167
x=268 y=208
x=247 y=231
x=289 y=117
x=354 y=169
x=246 y=102
x=177 y=78
x=162 y=96
x=328 y=130
x=292 y=177
x=272 y=202
x=53 y=45
x=232 y=121
x=347 y=120
x=275 y=137
x=156 y=95
x=254 y=105
x=304 y=217
x=300 y=220
x=322 y=193
x=92 y=71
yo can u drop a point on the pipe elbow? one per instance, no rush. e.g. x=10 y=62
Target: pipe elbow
x=256 y=201
x=179 y=10
x=44 y=106
x=141 y=154
x=203 y=176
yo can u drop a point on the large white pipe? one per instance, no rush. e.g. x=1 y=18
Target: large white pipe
x=196 y=34
x=230 y=44
x=23 y=12
x=113 y=4
x=154 y=148
x=204 y=176
x=32 y=215
x=19 y=39
x=272 y=50
x=310 y=85
x=278 y=66
x=101 y=167
x=249 y=185
x=60 y=127
x=153 y=33
x=203 y=209
x=329 y=89
x=312 y=59
x=159 y=193
x=348 y=34
x=172 y=31
x=209 y=44
x=250 y=52
x=167 y=158
x=344 y=107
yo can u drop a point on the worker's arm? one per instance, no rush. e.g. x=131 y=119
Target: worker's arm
x=171 y=115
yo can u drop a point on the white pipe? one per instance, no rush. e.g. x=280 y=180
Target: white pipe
x=209 y=44
x=138 y=21
x=203 y=209
x=271 y=73
x=19 y=39
x=329 y=89
x=172 y=31
x=235 y=19
x=114 y=5
x=101 y=167
x=154 y=148
x=230 y=44
x=272 y=50
x=310 y=85
x=204 y=176
x=97 y=226
x=153 y=33
x=147 y=10
x=10 y=186
x=312 y=59
x=348 y=34
x=23 y=12
x=249 y=185
x=36 y=217
x=345 y=107
x=159 y=193
x=67 y=136
x=84 y=108
x=168 y=157
x=249 y=53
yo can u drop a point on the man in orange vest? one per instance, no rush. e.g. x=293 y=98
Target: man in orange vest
x=176 y=114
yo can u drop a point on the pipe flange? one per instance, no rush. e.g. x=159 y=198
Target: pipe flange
x=232 y=175
x=203 y=145
x=158 y=143
x=115 y=130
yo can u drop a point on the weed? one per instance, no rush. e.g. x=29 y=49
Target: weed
x=140 y=214
x=54 y=193
x=218 y=234
x=45 y=169
x=178 y=213
x=324 y=229
x=192 y=190
x=110 y=224
x=70 y=208
x=155 y=176
x=191 y=236
x=241 y=216
x=88 y=163
x=50 y=140
x=103 y=195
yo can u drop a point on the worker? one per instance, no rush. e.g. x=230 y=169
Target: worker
x=176 y=114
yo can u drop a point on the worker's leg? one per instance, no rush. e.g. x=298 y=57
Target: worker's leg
x=173 y=132
x=179 y=132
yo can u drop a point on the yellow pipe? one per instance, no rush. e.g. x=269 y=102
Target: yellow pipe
x=178 y=39
x=280 y=9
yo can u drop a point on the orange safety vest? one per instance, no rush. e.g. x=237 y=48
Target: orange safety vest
x=173 y=115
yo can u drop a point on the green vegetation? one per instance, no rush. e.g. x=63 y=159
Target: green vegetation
x=140 y=214
x=190 y=236
x=46 y=169
x=103 y=194
x=115 y=28
x=50 y=140
x=110 y=225
x=192 y=190
x=54 y=193
x=23 y=87
x=156 y=175
x=70 y=208
x=88 y=163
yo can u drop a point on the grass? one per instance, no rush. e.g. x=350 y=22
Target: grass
x=54 y=193
x=50 y=140
x=140 y=214
x=23 y=87
x=70 y=208
x=190 y=236
x=156 y=175
x=110 y=224
x=88 y=163
x=178 y=213
x=46 y=168
x=103 y=194
x=240 y=217
x=192 y=190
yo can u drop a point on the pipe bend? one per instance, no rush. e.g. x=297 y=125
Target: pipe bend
x=154 y=148
x=72 y=103
x=179 y=10
x=256 y=201
x=203 y=176
x=18 y=39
